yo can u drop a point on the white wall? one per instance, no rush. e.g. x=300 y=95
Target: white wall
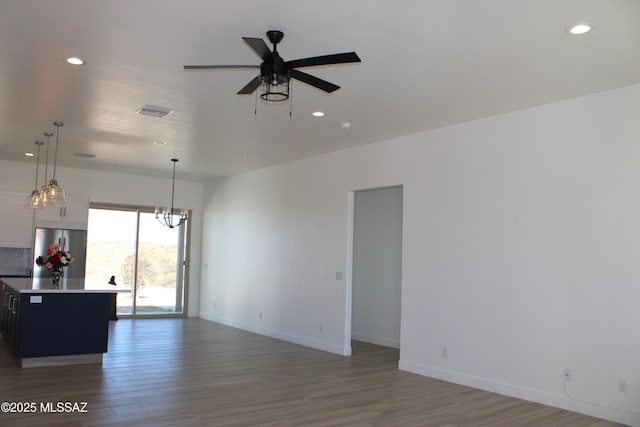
x=377 y=266
x=122 y=189
x=520 y=250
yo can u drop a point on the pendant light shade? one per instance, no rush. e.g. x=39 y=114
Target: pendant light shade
x=34 y=200
x=55 y=194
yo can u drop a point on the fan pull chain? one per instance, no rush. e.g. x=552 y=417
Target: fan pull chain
x=290 y=99
x=255 y=108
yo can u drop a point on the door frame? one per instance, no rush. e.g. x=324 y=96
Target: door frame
x=347 y=350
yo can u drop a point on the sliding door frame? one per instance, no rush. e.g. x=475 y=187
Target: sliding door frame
x=183 y=254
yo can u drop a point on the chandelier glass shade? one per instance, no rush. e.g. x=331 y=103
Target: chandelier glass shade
x=171 y=217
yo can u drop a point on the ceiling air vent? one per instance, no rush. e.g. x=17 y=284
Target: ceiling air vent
x=87 y=155
x=152 y=110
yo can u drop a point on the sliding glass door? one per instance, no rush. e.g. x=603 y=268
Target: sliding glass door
x=160 y=265
x=144 y=256
x=111 y=251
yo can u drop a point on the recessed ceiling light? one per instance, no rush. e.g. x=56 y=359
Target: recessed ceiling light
x=159 y=142
x=75 y=61
x=579 y=29
x=317 y=114
x=29 y=154
x=345 y=125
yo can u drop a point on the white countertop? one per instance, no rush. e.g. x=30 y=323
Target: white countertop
x=26 y=285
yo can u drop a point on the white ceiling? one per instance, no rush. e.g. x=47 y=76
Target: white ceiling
x=425 y=64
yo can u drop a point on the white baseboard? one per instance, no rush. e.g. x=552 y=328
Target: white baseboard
x=386 y=342
x=538 y=396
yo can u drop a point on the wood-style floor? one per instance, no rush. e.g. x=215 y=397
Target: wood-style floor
x=191 y=372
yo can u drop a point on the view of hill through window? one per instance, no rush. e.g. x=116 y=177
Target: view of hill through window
x=157 y=263
x=111 y=251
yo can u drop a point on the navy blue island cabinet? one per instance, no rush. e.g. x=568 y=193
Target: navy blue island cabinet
x=55 y=326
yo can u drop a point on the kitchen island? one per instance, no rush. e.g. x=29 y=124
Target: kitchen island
x=46 y=326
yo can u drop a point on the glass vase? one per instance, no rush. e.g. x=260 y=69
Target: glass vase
x=56 y=275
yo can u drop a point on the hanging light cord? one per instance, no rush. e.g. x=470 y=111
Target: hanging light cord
x=46 y=162
x=55 y=158
x=173 y=186
x=38 y=143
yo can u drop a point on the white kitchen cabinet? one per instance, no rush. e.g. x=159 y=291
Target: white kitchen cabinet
x=75 y=215
x=16 y=222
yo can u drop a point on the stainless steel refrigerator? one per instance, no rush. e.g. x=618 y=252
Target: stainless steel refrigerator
x=72 y=241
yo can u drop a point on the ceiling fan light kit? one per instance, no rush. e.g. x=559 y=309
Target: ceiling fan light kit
x=276 y=73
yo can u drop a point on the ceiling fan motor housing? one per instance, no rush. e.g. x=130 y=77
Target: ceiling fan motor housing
x=274 y=72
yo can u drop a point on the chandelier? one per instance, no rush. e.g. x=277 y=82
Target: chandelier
x=50 y=194
x=166 y=215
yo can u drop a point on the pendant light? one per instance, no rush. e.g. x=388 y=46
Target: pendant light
x=33 y=200
x=165 y=215
x=55 y=193
x=44 y=197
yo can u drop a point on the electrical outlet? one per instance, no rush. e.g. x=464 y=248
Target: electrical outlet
x=622 y=385
x=567 y=374
x=321 y=327
x=445 y=352
x=260 y=315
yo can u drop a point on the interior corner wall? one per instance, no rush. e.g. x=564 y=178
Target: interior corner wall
x=521 y=240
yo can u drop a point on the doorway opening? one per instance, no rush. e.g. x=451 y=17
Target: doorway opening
x=376 y=268
x=149 y=259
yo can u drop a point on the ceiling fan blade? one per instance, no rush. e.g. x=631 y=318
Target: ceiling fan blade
x=217 y=67
x=260 y=47
x=313 y=81
x=337 y=58
x=251 y=86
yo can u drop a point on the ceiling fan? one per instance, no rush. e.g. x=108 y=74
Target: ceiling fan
x=275 y=72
